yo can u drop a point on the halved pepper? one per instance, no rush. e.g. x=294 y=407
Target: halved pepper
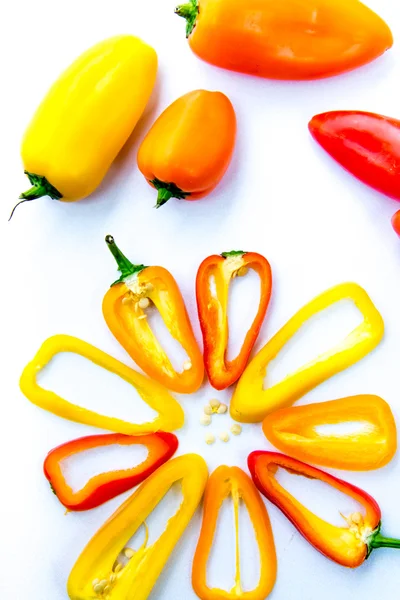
x=98 y=573
x=101 y=488
x=213 y=312
x=224 y=482
x=251 y=402
x=171 y=415
x=348 y=546
x=295 y=431
x=124 y=310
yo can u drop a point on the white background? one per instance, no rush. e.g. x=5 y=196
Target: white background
x=282 y=197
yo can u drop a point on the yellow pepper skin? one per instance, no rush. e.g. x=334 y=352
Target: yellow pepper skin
x=98 y=561
x=294 y=431
x=251 y=402
x=171 y=415
x=86 y=118
x=225 y=482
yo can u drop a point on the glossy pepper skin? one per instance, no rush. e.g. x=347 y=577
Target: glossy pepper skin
x=396 y=222
x=86 y=118
x=348 y=546
x=101 y=488
x=170 y=415
x=366 y=144
x=295 y=431
x=188 y=150
x=128 y=322
x=225 y=482
x=252 y=401
x=98 y=561
x=213 y=312
x=295 y=39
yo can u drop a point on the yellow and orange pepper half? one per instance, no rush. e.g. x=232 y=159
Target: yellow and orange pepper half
x=124 y=309
x=225 y=482
x=99 y=573
x=171 y=415
x=370 y=443
x=252 y=401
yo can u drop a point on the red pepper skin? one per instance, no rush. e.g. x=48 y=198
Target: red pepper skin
x=396 y=222
x=103 y=487
x=213 y=312
x=366 y=144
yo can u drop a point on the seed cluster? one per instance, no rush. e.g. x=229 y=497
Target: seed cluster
x=215 y=407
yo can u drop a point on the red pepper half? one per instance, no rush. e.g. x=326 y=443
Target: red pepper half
x=348 y=546
x=212 y=303
x=396 y=222
x=101 y=488
x=366 y=144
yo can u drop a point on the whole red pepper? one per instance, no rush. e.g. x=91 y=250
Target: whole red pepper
x=348 y=546
x=366 y=144
x=101 y=488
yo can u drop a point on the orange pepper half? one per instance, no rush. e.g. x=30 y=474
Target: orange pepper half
x=294 y=431
x=294 y=39
x=224 y=482
x=213 y=312
x=348 y=546
x=124 y=310
x=189 y=148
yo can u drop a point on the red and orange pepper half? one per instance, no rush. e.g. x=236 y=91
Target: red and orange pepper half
x=224 y=482
x=212 y=303
x=101 y=488
x=348 y=546
x=124 y=309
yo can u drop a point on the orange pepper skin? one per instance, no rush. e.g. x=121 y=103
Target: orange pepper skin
x=101 y=488
x=213 y=312
x=295 y=39
x=348 y=546
x=226 y=481
x=396 y=222
x=188 y=150
x=293 y=431
x=128 y=323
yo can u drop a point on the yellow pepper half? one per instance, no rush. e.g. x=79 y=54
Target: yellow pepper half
x=99 y=574
x=170 y=417
x=251 y=402
x=86 y=117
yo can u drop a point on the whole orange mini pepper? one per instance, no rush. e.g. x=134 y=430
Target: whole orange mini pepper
x=294 y=39
x=189 y=148
x=349 y=545
x=213 y=312
x=296 y=431
x=224 y=482
x=124 y=310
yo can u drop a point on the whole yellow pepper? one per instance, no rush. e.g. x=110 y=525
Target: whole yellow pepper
x=86 y=118
x=98 y=572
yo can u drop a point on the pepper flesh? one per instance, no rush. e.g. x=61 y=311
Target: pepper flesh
x=213 y=312
x=137 y=578
x=251 y=402
x=128 y=322
x=396 y=222
x=224 y=482
x=306 y=39
x=366 y=144
x=348 y=546
x=101 y=488
x=294 y=431
x=86 y=118
x=170 y=416
x=188 y=149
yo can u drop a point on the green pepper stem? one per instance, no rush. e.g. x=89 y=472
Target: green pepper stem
x=40 y=187
x=166 y=191
x=163 y=196
x=188 y=11
x=380 y=541
x=125 y=267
